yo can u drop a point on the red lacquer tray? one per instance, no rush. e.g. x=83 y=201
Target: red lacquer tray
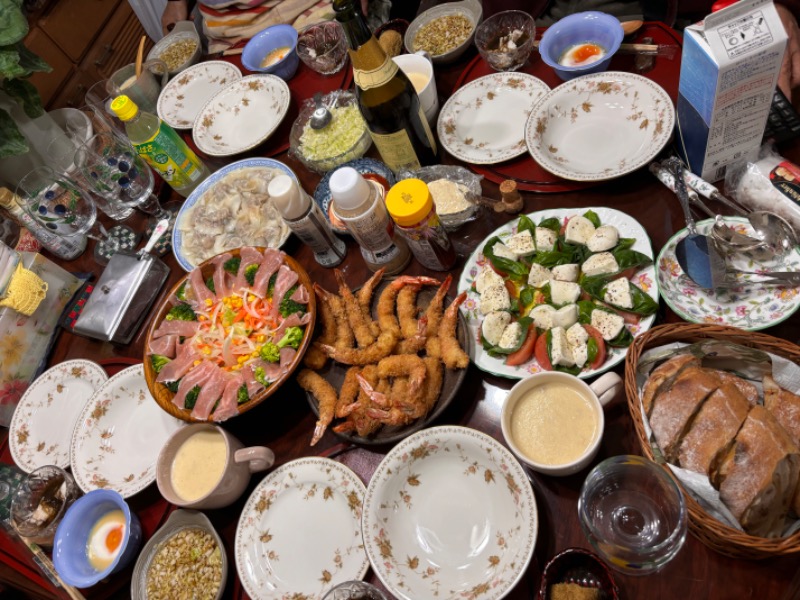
x=523 y=169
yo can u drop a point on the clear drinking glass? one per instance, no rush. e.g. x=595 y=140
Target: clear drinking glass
x=354 y=590
x=99 y=100
x=633 y=513
x=40 y=503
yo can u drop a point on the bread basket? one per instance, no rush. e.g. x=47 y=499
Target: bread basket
x=714 y=534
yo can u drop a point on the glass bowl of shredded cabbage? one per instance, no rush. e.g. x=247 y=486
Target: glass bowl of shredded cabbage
x=345 y=138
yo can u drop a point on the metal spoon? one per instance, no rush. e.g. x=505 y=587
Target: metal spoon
x=696 y=254
x=321 y=115
x=773 y=231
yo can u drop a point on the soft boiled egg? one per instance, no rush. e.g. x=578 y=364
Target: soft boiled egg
x=581 y=54
x=105 y=540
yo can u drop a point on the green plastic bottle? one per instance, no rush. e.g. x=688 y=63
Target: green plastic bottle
x=162 y=148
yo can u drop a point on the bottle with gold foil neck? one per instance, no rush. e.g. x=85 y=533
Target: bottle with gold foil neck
x=386 y=97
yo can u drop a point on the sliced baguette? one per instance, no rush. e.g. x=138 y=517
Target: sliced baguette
x=663 y=376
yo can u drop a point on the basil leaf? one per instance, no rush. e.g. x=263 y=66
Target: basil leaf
x=624 y=244
x=497 y=351
x=623 y=340
x=592 y=216
x=591 y=349
x=525 y=224
x=627 y=259
x=579 y=252
x=574 y=370
x=553 y=258
x=526 y=296
x=643 y=304
x=514 y=269
x=552 y=223
x=585 y=308
x=593 y=285
x=545 y=291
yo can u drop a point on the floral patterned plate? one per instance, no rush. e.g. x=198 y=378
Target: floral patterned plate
x=449 y=513
x=41 y=428
x=119 y=434
x=600 y=126
x=645 y=278
x=749 y=307
x=482 y=121
x=242 y=115
x=186 y=94
x=315 y=496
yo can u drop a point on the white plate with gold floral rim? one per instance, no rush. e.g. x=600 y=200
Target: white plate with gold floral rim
x=645 y=278
x=483 y=121
x=119 y=434
x=750 y=307
x=186 y=93
x=600 y=126
x=241 y=115
x=41 y=428
x=449 y=513
x=300 y=531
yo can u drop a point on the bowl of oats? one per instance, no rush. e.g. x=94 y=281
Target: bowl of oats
x=444 y=31
x=179 y=49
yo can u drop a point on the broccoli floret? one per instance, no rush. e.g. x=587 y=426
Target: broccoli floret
x=242 y=396
x=290 y=307
x=271 y=285
x=260 y=376
x=181 y=312
x=172 y=386
x=181 y=293
x=292 y=337
x=210 y=284
x=191 y=397
x=270 y=352
x=232 y=265
x=250 y=274
x=158 y=361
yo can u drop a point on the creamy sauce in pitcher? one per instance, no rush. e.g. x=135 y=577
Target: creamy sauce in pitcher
x=198 y=465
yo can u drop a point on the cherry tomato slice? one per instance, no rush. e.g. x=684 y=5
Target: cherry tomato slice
x=540 y=352
x=523 y=355
x=601 y=347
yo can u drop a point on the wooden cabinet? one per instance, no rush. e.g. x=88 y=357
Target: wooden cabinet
x=84 y=41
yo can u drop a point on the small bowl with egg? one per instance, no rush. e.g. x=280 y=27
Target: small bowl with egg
x=456 y=192
x=580 y=44
x=444 y=31
x=98 y=536
x=553 y=422
x=273 y=51
x=343 y=139
x=505 y=40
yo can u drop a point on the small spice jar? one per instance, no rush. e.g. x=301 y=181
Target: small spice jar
x=411 y=206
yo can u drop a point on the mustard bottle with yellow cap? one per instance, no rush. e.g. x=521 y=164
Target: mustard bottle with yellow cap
x=411 y=206
x=162 y=148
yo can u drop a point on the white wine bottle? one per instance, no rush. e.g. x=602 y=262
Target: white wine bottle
x=386 y=97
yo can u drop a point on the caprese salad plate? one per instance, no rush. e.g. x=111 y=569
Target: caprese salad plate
x=559 y=289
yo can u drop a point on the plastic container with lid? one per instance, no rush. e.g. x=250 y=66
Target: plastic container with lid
x=359 y=204
x=410 y=204
x=306 y=220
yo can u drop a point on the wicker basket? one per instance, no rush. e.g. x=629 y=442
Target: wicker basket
x=714 y=534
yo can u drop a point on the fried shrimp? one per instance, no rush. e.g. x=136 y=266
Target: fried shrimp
x=434 y=379
x=348 y=394
x=368 y=289
x=315 y=358
x=416 y=343
x=407 y=310
x=434 y=316
x=382 y=348
x=343 y=338
x=404 y=365
x=452 y=355
x=388 y=299
x=359 y=324
x=325 y=395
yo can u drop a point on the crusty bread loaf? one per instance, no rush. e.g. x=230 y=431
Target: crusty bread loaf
x=662 y=376
x=785 y=407
x=758 y=477
x=713 y=429
x=747 y=389
x=674 y=408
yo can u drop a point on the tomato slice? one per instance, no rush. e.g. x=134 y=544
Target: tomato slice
x=523 y=355
x=540 y=352
x=511 y=287
x=601 y=347
x=627 y=273
x=564 y=225
x=629 y=317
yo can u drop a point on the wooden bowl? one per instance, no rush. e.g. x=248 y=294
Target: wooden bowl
x=163 y=396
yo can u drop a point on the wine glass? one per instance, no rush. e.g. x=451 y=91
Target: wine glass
x=58 y=203
x=118 y=174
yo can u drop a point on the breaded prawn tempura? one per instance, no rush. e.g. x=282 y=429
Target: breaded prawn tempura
x=364 y=296
x=388 y=299
x=355 y=315
x=348 y=393
x=453 y=356
x=404 y=365
x=434 y=315
x=344 y=335
x=315 y=358
x=325 y=395
x=407 y=310
x=382 y=348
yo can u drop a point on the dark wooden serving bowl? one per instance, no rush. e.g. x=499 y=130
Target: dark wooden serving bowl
x=164 y=397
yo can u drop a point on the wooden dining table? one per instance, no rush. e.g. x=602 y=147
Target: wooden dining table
x=285 y=422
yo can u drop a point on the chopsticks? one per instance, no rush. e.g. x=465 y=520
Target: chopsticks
x=667 y=51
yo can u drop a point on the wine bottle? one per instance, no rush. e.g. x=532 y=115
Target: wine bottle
x=386 y=96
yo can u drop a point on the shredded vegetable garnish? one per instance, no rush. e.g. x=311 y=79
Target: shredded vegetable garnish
x=344 y=130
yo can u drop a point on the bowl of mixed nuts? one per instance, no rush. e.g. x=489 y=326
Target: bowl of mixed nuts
x=183 y=559
x=444 y=31
x=179 y=49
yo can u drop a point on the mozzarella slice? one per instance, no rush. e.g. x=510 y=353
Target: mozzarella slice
x=618 y=293
x=609 y=325
x=577 y=335
x=539 y=275
x=521 y=244
x=560 y=353
x=564 y=292
x=566 y=272
x=495 y=297
x=566 y=316
x=580 y=354
x=493 y=326
x=578 y=231
x=542 y=316
x=503 y=251
x=604 y=237
x=511 y=335
x=600 y=264
x=545 y=239
x=487 y=277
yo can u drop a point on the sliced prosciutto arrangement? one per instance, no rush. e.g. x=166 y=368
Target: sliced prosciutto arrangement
x=233 y=328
